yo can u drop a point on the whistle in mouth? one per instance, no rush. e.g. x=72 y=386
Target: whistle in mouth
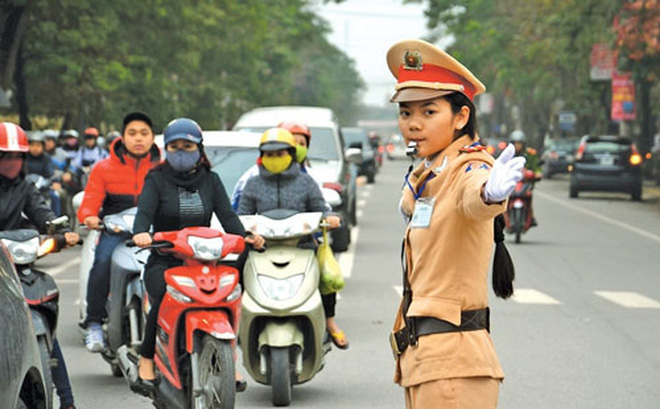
x=411 y=149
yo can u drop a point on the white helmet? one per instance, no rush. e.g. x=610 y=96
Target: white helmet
x=518 y=136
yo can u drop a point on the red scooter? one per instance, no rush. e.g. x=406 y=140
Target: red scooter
x=197 y=322
x=518 y=216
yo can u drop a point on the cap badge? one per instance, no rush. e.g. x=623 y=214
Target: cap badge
x=412 y=60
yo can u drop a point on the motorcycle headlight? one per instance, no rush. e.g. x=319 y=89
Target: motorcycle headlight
x=235 y=293
x=178 y=295
x=280 y=290
x=206 y=249
x=23 y=252
x=518 y=204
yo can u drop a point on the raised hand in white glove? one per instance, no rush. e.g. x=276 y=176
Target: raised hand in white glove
x=507 y=170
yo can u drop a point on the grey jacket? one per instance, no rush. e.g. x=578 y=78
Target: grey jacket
x=291 y=189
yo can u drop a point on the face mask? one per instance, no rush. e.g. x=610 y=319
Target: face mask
x=10 y=168
x=301 y=153
x=183 y=161
x=276 y=164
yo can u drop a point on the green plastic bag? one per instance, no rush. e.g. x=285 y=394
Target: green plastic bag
x=331 y=278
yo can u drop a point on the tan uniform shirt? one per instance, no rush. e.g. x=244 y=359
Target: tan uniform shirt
x=448 y=265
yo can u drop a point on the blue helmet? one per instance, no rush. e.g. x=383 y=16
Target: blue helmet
x=183 y=128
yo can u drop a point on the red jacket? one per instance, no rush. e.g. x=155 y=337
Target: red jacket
x=115 y=183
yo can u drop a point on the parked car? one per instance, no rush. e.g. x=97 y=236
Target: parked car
x=330 y=164
x=358 y=138
x=558 y=155
x=607 y=164
x=21 y=374
x=396 y=147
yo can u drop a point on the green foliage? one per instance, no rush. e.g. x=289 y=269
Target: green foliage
x=91 y=61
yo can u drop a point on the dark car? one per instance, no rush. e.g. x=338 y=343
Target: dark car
x=607 y=164
x=358 y=138
x=558 y=155
x=21 y=373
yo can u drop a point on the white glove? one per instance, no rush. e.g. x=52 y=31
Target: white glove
x=507 y=171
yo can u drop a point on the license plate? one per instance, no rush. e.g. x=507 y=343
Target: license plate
x=607 y=160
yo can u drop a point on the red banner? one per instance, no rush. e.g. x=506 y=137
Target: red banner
x=602 y=62
x=623 y=96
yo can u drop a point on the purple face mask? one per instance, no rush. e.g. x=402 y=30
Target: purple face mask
x=10 y=168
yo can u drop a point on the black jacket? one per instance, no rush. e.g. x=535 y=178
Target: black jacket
x=18 y=196
x=171 y=201
x=41 y=165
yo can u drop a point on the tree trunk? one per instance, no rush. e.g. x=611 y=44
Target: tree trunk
x=644 y=109
x=21 y=92
x=10 y=43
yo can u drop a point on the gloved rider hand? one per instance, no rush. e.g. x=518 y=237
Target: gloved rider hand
x=507 y=170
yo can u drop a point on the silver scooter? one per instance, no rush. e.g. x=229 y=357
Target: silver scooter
x=124 y=305
x=283 y=326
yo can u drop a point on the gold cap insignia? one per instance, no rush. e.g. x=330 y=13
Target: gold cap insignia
x=412 y=60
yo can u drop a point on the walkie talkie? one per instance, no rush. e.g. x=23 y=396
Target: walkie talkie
x=411 y=149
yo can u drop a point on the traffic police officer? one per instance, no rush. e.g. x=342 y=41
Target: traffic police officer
x=444 y=352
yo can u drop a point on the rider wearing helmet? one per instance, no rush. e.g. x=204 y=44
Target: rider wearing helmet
x=532 y=161
x=114 y=185
x=20 y=196
x=89 y=153
x=181 y=192
x=40 y=163
x=282 y=184
x=302 y=136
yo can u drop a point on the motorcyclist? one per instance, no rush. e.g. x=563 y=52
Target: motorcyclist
x=181 y=192
x=89 y=153
x=302 y=136
x=40 y=163
x=20 y=196
x=282 y=184
x=114 y=185
x=532 y=161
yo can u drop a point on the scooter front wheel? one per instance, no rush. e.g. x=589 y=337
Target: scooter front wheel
x=280 y=376
x=216 y=375
x=44 y=351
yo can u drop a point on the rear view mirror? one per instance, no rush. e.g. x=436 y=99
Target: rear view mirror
x=353 y=155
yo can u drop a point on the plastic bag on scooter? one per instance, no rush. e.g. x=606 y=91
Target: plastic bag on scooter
x=331 y=278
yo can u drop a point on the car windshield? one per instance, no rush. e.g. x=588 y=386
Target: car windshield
x=230 y=163
x=354 y=136
x=567 y=145
x=322 y=145
x=599 y=147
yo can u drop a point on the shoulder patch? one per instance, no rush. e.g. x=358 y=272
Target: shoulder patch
x=475 y=147
x=476 y=165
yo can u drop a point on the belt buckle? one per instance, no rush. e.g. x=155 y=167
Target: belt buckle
x=394 y=345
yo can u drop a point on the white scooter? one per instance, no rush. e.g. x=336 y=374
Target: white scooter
x=283 y=326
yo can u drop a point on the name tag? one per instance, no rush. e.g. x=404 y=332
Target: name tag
x=421 y=217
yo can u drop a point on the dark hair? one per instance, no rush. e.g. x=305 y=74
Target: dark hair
x=457 y=100
x=136 y=116
x=503 y=270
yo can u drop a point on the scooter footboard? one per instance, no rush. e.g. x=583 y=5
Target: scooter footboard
x=215 y=323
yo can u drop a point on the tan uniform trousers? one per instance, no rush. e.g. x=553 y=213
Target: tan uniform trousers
x=454 y=393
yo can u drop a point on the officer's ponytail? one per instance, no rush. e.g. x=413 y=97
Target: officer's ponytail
x=503 y=270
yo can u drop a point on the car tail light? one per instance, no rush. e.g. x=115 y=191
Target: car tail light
x=649 y=155
x=580 y=151
x=381 y=149
x=635 y=159
x=390 y=147
x=334 y=186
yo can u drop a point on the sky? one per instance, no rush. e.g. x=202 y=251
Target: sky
x=365 y=30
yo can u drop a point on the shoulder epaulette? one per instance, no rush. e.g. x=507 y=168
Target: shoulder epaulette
x=475 y=147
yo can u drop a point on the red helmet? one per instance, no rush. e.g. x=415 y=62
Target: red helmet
x=297 y=127
x=13 y=138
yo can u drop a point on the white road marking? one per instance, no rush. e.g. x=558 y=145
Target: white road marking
x=398 y=289
x=347 y=258
x=361 y=203
x=77 y=302
x=359 y=214
x=628 y=299
x=531 y=296
x=600 y=217
x=365 y=193
x=63 y=267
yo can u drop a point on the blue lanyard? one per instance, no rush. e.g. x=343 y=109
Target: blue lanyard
x=421 y=188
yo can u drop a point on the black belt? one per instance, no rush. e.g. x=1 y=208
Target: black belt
x=416 y=327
